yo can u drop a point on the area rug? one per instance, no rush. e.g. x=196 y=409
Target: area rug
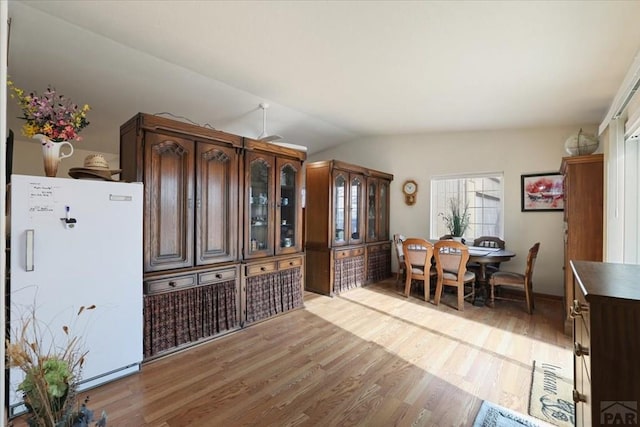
x=550 y=398
x=492 y=415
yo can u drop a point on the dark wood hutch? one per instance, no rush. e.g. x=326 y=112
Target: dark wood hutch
x=347 y=226
x=222 y=247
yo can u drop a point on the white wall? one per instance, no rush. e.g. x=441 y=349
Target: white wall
x=27 y=158
x=513 y=152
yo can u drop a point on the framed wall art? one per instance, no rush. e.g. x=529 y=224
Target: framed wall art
x=542 y=192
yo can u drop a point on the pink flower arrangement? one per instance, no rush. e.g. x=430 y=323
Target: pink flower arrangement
x=50 y=114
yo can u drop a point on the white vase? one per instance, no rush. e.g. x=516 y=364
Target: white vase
x=51 y=153
x=457 y=238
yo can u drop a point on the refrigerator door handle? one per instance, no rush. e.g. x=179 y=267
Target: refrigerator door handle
x=30 y=235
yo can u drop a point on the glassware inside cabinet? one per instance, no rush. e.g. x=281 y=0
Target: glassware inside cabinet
x=339 y=214
x=356 y=204
x=288 y=208
x=371 y=210
x=383 y=209
x=259 y=195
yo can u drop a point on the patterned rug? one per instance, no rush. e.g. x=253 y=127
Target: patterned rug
x=551 y=398
x=492 y=415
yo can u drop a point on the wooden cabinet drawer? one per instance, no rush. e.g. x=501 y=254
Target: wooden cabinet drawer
x=217 y=276
x=374 y=248
x=347 y=253
x=343 y=254
x=169 y=284
x=379 y=248
x=289 y=263
x=261 y=268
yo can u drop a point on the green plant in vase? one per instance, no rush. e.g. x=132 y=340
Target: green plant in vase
x=50 y=374
x=457 y=220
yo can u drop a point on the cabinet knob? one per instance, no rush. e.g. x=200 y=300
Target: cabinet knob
x=263 y=269
x=579 y=350
x=291 y=263
x=172 y=284
x=218 y=276
x=578 y=397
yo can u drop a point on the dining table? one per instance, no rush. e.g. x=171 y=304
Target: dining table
x=484 y=256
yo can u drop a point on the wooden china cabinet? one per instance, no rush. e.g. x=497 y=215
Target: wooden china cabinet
x=347 y=218
x=273 y=266
x=378 y=244
x=583 y=218
x=222 y=229
x=191 y=223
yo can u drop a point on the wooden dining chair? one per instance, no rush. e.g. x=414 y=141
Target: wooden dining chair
x=450 y=237
x=487 y=242
x=417 y=258
x=451 y=266
x=397 y=243
x=506 y=278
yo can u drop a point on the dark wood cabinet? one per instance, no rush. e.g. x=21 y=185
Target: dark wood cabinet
x=606 y=321
x=273 y=265
x=377 y=209
x=583 y=218
x=273 y=194
x=191 y=180
x=222 y=229
x=272 y=286
x=347 y=226
x=168 y=203
x=217 y=212
x=378 y=261
x=184 y=309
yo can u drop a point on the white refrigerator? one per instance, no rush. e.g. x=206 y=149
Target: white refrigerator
x=76 y=243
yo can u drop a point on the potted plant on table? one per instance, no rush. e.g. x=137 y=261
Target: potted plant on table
x=50 y=374
x=457 y=220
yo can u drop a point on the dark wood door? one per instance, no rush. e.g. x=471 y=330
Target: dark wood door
x=216 y=203
x=340 y=208
x=373 y=208
x=288 y=229
x=169 y=194
x=259 y=196
x=357 y=203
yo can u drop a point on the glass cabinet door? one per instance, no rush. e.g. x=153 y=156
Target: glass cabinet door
x=356 y=198
x=340 y=208
x=260 y=181
x=372 y=208
x=383 y=229
x=288 y=228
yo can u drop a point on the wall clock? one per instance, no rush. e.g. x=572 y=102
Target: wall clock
x=410 y=190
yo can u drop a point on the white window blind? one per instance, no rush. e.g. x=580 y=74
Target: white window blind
x=482 y=193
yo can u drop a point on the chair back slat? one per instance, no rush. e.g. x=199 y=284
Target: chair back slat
x=489 y=242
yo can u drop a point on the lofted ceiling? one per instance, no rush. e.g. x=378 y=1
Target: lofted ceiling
x=332 y=71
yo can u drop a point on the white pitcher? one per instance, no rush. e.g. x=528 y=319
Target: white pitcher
x=51 y=154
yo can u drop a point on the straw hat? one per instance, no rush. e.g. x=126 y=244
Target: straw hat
x=95 y=166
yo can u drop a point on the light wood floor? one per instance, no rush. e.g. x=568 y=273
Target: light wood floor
x=368 y=357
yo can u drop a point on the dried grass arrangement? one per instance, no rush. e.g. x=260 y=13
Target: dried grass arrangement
x=51 y=373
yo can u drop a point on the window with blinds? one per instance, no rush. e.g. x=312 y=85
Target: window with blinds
x=483 y=196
